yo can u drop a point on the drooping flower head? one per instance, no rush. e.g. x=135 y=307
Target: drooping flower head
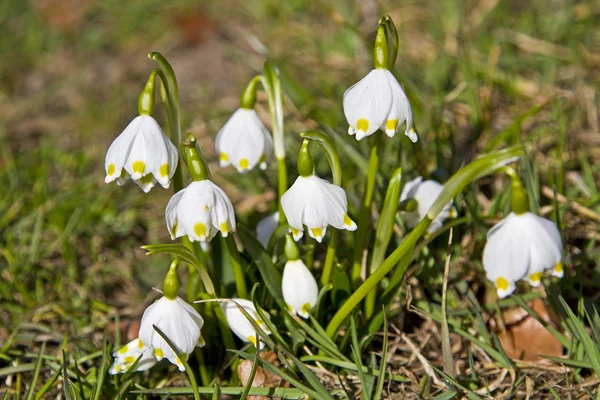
x=143 y=151
x=244 y=142
x=424 y=193
x=200 y=211
x=521 y=246
x=178 y=320
x=313 y=202
x=126 y=356
x=298 y=285
x=240 y=325
x=378 y=101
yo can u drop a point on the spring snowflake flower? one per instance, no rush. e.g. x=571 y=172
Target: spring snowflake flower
x=521 y=246
x=126 y=356
x=299 y=287
x=378 y=102
x=142 y=152
x=200 y=211
x=316 y=203
x=244 y=141
x=240 y=325
x=425 y=193
x=179 y=321
x=266 y=227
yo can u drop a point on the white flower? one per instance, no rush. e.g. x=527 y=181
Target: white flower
x=299 y=287
x=126 y=356
x=425 y=193
x=519 y=246
x=316 y=203
x=200 y=211
x=143 y=152
x=179 y=322
x=240 y=325
x=266 y=227
x=244 y=141
x=377 y=101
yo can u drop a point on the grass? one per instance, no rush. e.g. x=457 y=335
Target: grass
x=480 y=76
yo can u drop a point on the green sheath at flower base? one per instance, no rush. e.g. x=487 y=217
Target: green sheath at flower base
x=381 y=53
x=291 y=250
x=408 y=205
x=171 y=283
x=193 y=157
x=305 y=160
x=248 y=97
x=146 y=98
x=519 y=201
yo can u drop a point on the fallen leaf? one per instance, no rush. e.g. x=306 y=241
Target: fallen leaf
x=524 y=337
x=262 y=378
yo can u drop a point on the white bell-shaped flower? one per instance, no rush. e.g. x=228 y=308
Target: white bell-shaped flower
x=179 y=321
x=299 y=287
x=244 y=141
x=240 y=325
x=378 y=102
x=316 y=203
x=142 y=152
x=425 y=193
x=200 y=211
x=266 y=227
x=521 y=246
x=126 y=356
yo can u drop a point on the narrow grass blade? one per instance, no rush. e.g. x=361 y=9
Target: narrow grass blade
x=48 y=385
x=384 y=354
x=559 y=336
x=251 y=376
x=36 y=372
x=97 y=389
x=366 y=394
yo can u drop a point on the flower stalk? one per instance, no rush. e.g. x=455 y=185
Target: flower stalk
x=364 y=218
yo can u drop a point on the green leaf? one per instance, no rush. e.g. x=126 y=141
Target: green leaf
x=366 y=394
x=384 y=354
x=270 y=274
x=36 y=372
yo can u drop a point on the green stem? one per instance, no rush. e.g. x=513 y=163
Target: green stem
x=236 y=264
x=383 y=234
x=167 y=76
x=329 y=257
x=364 y=218
x=282 y=187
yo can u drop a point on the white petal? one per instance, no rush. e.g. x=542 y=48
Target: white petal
x=299 y=287
x=171 y=215
x=544 y=240
x=425 y=193
x=119 y=149
x=266 y=227
x=238 y=322
x=370 y=101
x=243 y=141
x=506 y=255
x=178 y=321
x=400 y=110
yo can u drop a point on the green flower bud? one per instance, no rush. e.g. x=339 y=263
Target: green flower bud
x=305 y=160
x=248 y=97
x=194 y=160
x=291 y=250
x=171 y=283
x=146 y=98
x=380 y=49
